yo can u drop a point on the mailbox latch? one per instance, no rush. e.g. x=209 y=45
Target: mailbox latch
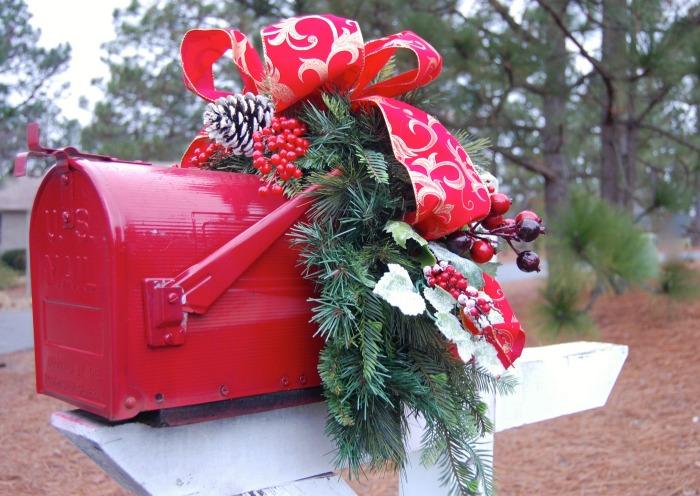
x=166 y=322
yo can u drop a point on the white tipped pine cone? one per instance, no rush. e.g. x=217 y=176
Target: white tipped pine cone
x=232 y=120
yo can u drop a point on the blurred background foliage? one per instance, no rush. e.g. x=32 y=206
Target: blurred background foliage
x=591 y=107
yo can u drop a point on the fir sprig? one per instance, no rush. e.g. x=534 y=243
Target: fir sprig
x=378 y=364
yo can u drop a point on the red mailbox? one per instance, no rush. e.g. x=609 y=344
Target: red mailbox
x=159 y=287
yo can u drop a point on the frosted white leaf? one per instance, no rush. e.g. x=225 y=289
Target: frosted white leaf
x=470 y=270
x=486 y=357
x=465 y=349
x=396 y=288
x=495 y=317
x=402 y=232
x=441 y=300
x=451 y=327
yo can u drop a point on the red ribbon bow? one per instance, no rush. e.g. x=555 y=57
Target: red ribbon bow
x=303 y=55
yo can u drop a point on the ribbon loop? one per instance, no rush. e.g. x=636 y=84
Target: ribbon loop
x=379 y=52
x=201 y=48
x=305 y=54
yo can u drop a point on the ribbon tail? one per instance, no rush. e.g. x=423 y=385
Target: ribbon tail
x=507 y=337
x=449 y=192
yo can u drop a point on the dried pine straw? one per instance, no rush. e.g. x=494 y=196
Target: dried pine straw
x=644 y=442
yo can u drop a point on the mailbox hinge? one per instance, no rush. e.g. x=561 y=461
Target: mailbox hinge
x=36 y=149
x=166 y=322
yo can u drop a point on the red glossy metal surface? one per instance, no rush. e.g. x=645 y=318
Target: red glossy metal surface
x=102 y=231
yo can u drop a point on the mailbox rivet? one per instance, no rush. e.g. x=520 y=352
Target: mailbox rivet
x=302 y=379
x=159 y=397
x=168 y=338
x=64 y=179
x=285 y=381
x=130 y=402
x=172 y=297
x=223 y=390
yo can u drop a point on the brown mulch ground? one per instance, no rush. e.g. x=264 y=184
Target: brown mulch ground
x=15 y=298
x=646 y=441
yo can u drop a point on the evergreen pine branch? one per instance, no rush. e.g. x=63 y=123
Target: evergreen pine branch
x=338 y=106
x=475 y=147
x=376 y=166
x=231 y=163
x=466 y=470
x=388 y=71
x=377 y=363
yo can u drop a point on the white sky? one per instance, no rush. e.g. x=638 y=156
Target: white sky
x=85 y=24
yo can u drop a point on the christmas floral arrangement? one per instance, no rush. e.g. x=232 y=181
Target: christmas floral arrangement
x=399 y=239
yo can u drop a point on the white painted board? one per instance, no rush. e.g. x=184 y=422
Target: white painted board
x=279 y=448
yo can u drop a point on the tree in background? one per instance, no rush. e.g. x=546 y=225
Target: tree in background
x=638 y=67
x=147 y=113
x=584 y=92
x=524 y=100
x=27 y=72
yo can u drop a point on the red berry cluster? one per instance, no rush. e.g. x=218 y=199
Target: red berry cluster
x=274 y=150
x=475 y=305
x=472 y=302
x=201 y=156
x=446 y=277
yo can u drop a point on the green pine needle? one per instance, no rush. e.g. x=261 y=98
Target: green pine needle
x=377 y=364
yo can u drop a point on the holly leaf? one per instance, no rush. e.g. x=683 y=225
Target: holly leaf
x=396 y=287
x=441 y=300
x=451 y=327
x=425 y=257
x=465 y=349
x=490 y=268
x=470 y=270
x=486 y=356
x=402 y=232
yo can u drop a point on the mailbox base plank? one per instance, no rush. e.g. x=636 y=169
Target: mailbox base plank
x=277 y=449
x=324 y=485
x=218 y=458
x=560 y=379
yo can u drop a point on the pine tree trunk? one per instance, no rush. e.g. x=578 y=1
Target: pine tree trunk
x=554 y=110
x=629 y=161
x=632 y=128
x=612 y=135
x=694 y=228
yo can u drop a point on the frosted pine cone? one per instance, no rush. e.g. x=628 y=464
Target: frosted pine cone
x=232 y=120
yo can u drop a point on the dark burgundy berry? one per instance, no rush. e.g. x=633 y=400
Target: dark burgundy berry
x=459 y=243
x=500 y=204
x=528 y=229
x=528 y=261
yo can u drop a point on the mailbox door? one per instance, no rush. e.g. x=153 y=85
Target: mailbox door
x=71 y=251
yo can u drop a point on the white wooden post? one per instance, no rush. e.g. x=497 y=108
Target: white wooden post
x=285 y=452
